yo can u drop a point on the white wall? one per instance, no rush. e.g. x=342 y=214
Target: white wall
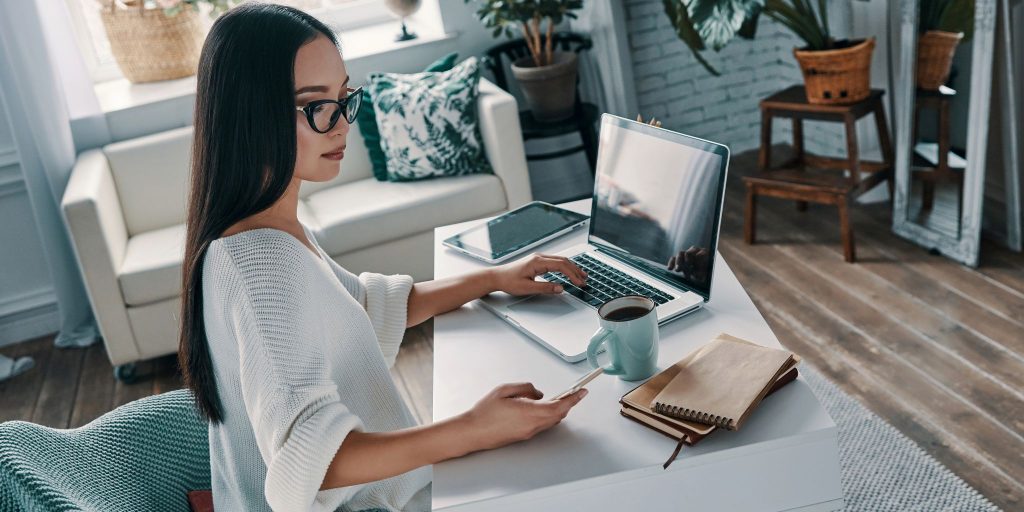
x=674 y=87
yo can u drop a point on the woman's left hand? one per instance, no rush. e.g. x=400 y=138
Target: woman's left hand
x=517 y=278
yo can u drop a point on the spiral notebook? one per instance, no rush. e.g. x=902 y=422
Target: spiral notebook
x=722 y=382
x=636 y=407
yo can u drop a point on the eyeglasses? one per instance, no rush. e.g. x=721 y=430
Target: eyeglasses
x=324 y=114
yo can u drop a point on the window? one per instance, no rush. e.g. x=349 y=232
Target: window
x=92 y=37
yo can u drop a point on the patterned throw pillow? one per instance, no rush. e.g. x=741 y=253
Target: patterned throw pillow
x=428 y=122
x=366 y=119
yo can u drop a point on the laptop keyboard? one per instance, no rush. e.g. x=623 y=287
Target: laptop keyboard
x=604 y=283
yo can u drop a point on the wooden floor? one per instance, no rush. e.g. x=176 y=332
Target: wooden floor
x=935 y=348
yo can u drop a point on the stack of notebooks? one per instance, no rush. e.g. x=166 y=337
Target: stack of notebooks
x=716 y=386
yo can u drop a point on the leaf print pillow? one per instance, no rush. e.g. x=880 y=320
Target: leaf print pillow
x=428 y=122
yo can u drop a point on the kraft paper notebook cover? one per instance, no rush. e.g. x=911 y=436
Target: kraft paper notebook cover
x=722 y=382
x=678 y=429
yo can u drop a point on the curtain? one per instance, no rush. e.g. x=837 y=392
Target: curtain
x=607 y=69
x=32 y=90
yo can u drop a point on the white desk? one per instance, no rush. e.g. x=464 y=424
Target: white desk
x=786 y=457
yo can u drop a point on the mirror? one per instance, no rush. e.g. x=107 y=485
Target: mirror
x=943 y=89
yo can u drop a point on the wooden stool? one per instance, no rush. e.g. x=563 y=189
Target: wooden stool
x=833 y=181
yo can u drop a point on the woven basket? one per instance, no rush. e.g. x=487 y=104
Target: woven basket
x=935 y=50
x=149 y=45
x=837 y=76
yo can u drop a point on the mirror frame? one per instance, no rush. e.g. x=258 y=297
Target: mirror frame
x=964 y=248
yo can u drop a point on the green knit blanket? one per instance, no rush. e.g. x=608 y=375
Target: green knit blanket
x=145 y=455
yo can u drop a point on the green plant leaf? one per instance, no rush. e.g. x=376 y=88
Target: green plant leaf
x=680 y=19
x=718 y=21
x=749 y=28
x=957 y=16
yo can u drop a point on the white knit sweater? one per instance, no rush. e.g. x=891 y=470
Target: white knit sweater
x=301 y=350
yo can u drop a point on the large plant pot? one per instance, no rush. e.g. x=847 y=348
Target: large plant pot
x=550 y=91
x=837 y=76
x=935 y=49
x=149 y=45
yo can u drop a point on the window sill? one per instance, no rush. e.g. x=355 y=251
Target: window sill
x=357 y=44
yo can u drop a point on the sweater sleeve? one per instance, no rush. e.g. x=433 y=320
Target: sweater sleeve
x=294 y=407
x=386 y=300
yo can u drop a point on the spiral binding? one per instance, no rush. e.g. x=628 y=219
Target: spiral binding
x=693 y=415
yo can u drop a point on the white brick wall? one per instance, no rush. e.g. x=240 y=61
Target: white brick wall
x=672 y=86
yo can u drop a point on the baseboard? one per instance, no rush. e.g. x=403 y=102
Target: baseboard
x=28 y=317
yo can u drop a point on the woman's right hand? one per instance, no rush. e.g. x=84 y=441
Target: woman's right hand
x=515 y=412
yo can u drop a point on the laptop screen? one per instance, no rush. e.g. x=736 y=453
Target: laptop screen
x=657 y=201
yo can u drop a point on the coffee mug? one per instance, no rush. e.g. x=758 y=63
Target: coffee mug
x=629 y=326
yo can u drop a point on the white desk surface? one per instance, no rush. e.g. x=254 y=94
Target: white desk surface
x=595 y=447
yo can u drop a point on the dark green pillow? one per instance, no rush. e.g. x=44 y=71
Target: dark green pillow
x=367 y=121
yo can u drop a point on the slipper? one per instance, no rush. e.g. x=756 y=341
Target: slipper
x=11 y=367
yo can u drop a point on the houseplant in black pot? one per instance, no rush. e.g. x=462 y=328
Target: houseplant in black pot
x=546 y=76
x=944 y=24
x=835 y=71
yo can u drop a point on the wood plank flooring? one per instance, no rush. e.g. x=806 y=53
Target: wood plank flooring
x=935 y=348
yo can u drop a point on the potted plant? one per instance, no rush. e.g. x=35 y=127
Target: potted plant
x=159 y=42
x=943 y=25
x=546 y=76
x=835 y=71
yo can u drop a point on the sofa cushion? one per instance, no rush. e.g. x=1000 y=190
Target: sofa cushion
x=151 y=270
x=368 y=212
x=151 y=176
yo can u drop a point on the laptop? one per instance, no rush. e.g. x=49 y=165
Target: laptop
x=657 y=206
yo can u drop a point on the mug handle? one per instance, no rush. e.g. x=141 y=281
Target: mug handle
x=599 y=338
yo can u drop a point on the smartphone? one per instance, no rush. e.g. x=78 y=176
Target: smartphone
x=579 y=384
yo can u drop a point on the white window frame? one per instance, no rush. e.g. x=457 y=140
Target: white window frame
x=359 y=13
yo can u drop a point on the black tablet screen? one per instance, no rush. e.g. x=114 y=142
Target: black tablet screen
x=516 y=229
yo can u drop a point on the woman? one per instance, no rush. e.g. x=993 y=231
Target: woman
x=286 y=352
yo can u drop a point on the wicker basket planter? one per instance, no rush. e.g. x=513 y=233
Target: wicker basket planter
x=149 y=45
x=837 y=76
x=935 y=50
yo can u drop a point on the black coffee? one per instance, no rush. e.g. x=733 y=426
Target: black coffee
x=626 y=314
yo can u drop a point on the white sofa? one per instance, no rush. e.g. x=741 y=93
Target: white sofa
x=125 y=208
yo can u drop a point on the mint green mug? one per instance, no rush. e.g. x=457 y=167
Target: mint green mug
x=629 y=326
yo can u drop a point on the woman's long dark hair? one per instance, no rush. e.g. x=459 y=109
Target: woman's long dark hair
x=243 y=152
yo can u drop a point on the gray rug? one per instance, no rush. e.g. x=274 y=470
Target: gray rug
x=882 y=469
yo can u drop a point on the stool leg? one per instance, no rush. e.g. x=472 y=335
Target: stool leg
x=764 y=157
x=798 y=138
x=751 y=216
x=928 y=194
x=845 y=231
x=798 y=148
x=886 y=143
x=852 y=151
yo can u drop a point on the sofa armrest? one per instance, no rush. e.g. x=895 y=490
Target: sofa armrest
x=93 y=214
x=503 y=142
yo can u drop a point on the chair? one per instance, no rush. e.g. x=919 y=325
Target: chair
x=582 y=121
x=149 y=454
x=144 y=455
x=810 y=178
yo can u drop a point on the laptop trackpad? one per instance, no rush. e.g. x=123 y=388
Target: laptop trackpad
x=543 y=307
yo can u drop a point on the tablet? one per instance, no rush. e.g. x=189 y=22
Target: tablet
x=515 y=232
